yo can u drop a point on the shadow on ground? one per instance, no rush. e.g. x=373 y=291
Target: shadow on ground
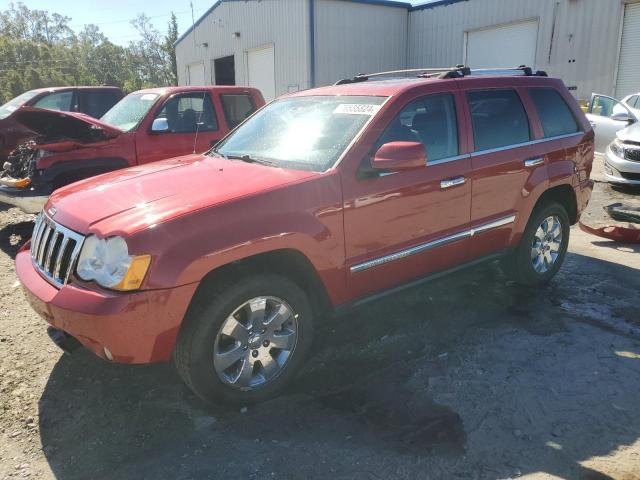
x=468 y=377
x=14 y=235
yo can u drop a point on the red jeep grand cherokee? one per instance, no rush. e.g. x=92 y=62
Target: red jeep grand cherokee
x=320 y=200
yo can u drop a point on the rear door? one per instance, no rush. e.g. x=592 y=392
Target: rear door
x=602 y=110
x=193 y=127
x=501 y=159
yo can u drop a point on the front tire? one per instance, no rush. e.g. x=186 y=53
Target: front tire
x=243 y=341
x=543 y=246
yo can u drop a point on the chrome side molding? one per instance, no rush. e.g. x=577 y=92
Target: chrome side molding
x=376 y=262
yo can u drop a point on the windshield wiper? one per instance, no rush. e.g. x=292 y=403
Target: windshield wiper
x=249 y=159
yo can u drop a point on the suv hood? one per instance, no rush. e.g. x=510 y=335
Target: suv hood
x=630 y=134
x=56 y=126
x=131 y=199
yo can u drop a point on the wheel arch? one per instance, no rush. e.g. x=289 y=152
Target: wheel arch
x=288 y=262
x=563 y=194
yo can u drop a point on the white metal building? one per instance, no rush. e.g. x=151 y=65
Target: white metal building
x=287 y=45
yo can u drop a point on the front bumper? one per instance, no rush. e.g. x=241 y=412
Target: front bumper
x=137 y=327
x=621 y=170
x=28 y=200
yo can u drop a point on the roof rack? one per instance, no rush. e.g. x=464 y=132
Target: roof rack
x=459 y=71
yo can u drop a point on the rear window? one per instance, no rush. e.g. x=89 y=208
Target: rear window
x=498 y=118
x=555 y=115
x=98 y=102
x=237 y=107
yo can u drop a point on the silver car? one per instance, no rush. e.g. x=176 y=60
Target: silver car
x=608 y=116
x=622 y=158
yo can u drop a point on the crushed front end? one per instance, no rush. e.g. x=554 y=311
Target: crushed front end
x=16 y=180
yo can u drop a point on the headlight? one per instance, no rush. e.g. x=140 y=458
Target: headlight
x=108 y=263
x=617 y=148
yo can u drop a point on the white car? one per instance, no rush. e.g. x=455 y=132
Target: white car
x=608 y=116
x=622 y=158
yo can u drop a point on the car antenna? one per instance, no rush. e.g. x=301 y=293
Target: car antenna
x=199 y=122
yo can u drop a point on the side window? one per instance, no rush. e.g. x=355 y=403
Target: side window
x=633 y=101
x=430 y=120
x=603 y=106
x=96 y=103
x=236 y=108
x=498 y=118
x=186 y=110
x=61 y=101
x=554 y=113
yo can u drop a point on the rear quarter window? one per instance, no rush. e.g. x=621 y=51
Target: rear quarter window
x=237 y=107
x=554 y=113
x=498 y=119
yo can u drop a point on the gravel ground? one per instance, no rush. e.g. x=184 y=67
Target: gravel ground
x=466 y=377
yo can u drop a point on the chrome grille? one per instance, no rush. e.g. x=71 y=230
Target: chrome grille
x=54 y=249
x=632 y=154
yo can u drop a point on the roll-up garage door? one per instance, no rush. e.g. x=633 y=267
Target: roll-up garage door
x=502 y=46
x=261 y=71
x=196 y=74
x=629 y=66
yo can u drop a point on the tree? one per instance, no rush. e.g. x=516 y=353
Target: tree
x=39 y=49
x=169 y=45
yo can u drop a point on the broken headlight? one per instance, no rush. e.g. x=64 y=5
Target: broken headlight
x=108 y=263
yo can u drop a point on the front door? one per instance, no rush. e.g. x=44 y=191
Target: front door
x=403 y=225
x=191 y=126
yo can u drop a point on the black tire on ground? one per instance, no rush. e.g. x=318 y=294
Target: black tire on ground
x=194 y=352
x=519 y=264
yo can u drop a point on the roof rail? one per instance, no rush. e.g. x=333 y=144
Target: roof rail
x=458 y=71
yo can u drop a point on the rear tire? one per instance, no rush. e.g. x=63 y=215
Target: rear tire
x=242 y=341
x=543 y=246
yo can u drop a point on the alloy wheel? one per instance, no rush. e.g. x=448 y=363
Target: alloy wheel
x=546 y=244
x=255 y=343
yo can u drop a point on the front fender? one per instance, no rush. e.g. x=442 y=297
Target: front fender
x=306 y=218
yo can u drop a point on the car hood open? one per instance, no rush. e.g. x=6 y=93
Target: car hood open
x=53 y=126
x=135 y=198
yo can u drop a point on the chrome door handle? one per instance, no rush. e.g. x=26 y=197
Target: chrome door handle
x=452 y=182
x=532 y=162
x=593 y=125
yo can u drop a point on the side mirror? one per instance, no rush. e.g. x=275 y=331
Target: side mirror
x=622 y=117
x=160 y=125
x=400 y=156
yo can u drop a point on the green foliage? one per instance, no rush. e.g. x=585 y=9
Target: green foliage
x=39 y=49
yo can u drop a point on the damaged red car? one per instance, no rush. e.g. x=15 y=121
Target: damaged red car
x=93 y=101
x=145 y=126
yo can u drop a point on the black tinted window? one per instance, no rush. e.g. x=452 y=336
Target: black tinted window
x=431 y=121
x=554 y=113
x=185 y=111
x=97 y=103
x=498 y=119
x=236 y=107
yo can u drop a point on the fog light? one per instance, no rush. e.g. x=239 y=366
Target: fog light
x=108 y=354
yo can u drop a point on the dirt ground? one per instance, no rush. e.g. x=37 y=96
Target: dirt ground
x=467 y=377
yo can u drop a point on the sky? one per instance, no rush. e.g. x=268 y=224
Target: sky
x=113 y=16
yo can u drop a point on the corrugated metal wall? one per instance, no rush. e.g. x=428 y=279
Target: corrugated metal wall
x=283 y=23
x=356 y=38
x=584 y=50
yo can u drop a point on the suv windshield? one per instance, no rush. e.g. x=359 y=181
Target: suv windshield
x=307 y=133
x=12 y=105
x=129 y=112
